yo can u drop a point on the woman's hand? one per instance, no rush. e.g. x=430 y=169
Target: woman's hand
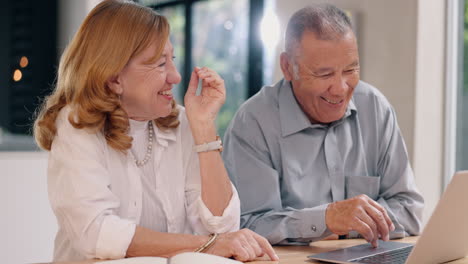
x=203 y=108
x=243 y=245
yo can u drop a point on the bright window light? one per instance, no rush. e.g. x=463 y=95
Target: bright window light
x=269 y=29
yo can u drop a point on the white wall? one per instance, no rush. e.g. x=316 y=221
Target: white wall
x=429 y=101
x=27 y=224
x=402 y=54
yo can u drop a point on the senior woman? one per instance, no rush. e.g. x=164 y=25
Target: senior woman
x=131 y=173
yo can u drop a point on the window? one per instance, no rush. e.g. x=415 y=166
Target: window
x=219 y=34
x=456 y=96
x=27 y=68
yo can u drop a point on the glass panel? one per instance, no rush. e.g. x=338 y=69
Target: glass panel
x=220 y=32
x=176 y=18
x=154 y=2
x=462 y=115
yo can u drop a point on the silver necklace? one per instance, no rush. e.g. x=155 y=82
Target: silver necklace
x=149 y=149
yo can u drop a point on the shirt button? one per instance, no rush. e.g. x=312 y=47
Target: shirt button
x=314 y=228
x=134 y=203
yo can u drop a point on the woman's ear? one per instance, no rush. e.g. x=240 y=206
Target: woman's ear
x=286 y=66
x=115 y=85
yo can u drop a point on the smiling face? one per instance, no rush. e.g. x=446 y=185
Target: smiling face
x=326 y=74
x=145 y=84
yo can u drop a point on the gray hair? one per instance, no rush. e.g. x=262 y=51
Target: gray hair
x=327 y=21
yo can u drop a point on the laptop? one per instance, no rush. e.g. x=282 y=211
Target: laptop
x=445 y=237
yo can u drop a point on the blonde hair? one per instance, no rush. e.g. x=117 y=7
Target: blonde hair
x=112 y=33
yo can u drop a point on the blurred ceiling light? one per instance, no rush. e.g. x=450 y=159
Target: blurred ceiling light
x=24 y=62
x=269 y=29
x=17 y=75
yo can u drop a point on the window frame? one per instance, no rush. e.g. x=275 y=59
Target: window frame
x=453 y=81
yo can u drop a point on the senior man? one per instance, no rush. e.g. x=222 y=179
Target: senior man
x=320 y=153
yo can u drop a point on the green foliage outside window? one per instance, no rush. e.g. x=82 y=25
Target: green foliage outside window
x=219 y=41
x=465 y=49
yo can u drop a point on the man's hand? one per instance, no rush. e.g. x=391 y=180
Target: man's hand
x=361 y=214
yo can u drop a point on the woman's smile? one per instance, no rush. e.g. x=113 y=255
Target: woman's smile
x=166 y=94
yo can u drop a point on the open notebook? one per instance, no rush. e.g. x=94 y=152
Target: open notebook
x=182 y=258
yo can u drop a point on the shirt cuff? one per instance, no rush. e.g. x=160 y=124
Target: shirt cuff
x=229 y=221
x=114 y=238
x=312 y=222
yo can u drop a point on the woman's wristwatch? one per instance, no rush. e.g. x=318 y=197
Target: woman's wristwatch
x=210 y=146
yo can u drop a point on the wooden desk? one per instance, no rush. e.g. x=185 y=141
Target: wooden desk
x=298 y=254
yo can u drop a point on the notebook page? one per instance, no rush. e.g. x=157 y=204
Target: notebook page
x=200 y=258
x=137 y=260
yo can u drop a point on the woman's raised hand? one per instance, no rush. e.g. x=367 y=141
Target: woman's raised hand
x=243 y=245
x=203 y=108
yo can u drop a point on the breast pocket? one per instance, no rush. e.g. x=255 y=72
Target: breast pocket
x=368 y=185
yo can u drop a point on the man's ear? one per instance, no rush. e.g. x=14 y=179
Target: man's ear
x=286 y=66
x=115 y=85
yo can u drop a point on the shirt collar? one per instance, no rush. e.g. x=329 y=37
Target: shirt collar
x=163 y=136
x=293 y=119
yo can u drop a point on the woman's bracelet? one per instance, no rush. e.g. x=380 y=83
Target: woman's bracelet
x=209 y=243
x=213 y=145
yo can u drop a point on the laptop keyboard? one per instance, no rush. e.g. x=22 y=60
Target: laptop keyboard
x=397 y=256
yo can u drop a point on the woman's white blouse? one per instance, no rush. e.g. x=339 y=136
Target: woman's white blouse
x=151 y=203
x=96 y=191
